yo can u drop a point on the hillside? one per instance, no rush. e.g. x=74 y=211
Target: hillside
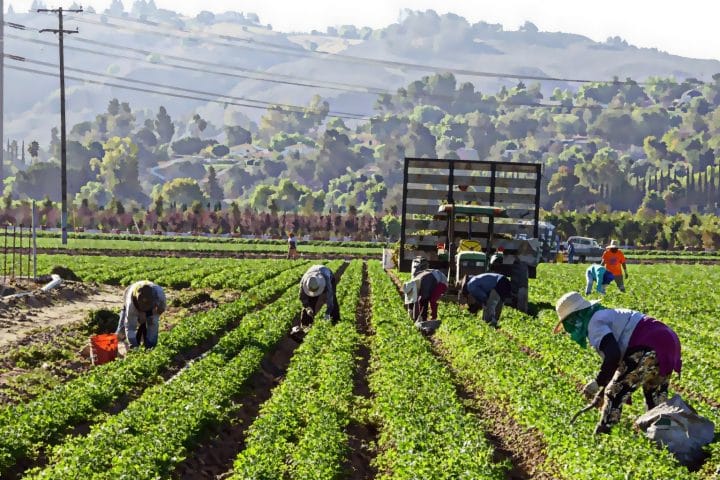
x=32 y=99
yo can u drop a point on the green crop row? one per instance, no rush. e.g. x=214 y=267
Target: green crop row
x=154 y=433
x=542 y=390
x=691 y=312
x=169 y=272
x=122 y=270
x=425 y=431
x=189 y=239
x=204 y=245
x=539 y=395
x=24 y=428
x=300 y=432
x=240 y=278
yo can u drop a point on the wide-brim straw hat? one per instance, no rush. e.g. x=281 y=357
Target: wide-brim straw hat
x=613 y=244
x=313 y=285
x=568 y=304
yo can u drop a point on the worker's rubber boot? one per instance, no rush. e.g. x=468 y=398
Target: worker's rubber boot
x=427 y=327
x=297 y=333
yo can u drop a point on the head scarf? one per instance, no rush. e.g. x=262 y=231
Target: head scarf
x=576 y=324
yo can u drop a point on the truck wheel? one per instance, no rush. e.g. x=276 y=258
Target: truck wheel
x=582 y=259
x=522 y=300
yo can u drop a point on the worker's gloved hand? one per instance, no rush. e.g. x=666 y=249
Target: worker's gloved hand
x=626 y=275
x=590 y=390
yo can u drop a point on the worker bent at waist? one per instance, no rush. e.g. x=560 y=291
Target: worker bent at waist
x=143 y=303
x=317 y=288
x=489 y=291
x=636 y=349
x=422 y=293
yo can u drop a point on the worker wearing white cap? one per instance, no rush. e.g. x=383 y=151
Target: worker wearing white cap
x=317 y=287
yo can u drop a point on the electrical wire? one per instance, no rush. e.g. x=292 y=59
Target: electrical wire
x=345 y=57
x=169 y=94
x=322 y=86
x=288 y=107
x=360 y=90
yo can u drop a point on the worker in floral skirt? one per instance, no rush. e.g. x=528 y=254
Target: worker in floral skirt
x=637 y=351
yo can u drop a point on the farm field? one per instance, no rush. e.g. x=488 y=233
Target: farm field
x=199 y=244
x=227 y=392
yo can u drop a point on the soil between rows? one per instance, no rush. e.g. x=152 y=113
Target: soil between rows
x=523 y=448
x=181 y=361
x=213 y=457
x=362 y=436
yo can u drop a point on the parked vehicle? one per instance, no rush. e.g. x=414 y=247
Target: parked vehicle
x=586 y=249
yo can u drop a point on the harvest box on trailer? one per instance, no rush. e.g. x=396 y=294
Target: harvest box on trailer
x=492 y=209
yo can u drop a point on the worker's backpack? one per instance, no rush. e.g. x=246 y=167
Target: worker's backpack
x=418 y=265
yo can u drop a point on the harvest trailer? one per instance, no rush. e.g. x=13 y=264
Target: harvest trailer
x=458 y=215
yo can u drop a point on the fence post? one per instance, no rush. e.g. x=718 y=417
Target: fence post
x=29 y=252
x=5 y=256
x=34 y=240
x=20 y=262
x=13 y=255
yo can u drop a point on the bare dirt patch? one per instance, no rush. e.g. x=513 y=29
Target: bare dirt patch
x=69 y=303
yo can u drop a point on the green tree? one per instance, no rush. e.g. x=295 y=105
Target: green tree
x=214 y=191
x=182 y=191
x=164 y=126
x=34 y=150
x=118 y=169
x=95 y=193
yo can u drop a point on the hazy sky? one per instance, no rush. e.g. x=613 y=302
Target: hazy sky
x=688 y=28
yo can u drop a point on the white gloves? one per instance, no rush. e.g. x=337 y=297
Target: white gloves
x=590 y=390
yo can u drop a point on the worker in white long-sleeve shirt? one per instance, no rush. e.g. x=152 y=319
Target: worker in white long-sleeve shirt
x=144 y=302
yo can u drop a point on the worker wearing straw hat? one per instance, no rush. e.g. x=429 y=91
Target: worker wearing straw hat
x=613 y=260
x=317 y=288
x=637 y=350
x=144 y=302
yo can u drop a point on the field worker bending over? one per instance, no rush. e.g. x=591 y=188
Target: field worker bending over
x=636 y=349
x=614 y=261
x=422 y=294
x=488 y=291
x=317 y=287
x=597 y=274
x=144 y=302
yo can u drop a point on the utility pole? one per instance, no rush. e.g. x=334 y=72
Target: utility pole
x=2 y=89
x=63 y=141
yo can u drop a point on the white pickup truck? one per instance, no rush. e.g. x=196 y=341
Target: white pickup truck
x=586 y=249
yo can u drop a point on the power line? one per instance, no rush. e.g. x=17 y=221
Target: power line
x=206 y=71
x=345 y=57
x=283 y=108
x=326 y=84
x=349 y=88
x=224 y=44
x=156 y=92
x=287 y=107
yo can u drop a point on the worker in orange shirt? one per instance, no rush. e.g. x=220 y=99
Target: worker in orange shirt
x=614 y=262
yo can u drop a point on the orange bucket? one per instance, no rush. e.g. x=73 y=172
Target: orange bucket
x=103 y=348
